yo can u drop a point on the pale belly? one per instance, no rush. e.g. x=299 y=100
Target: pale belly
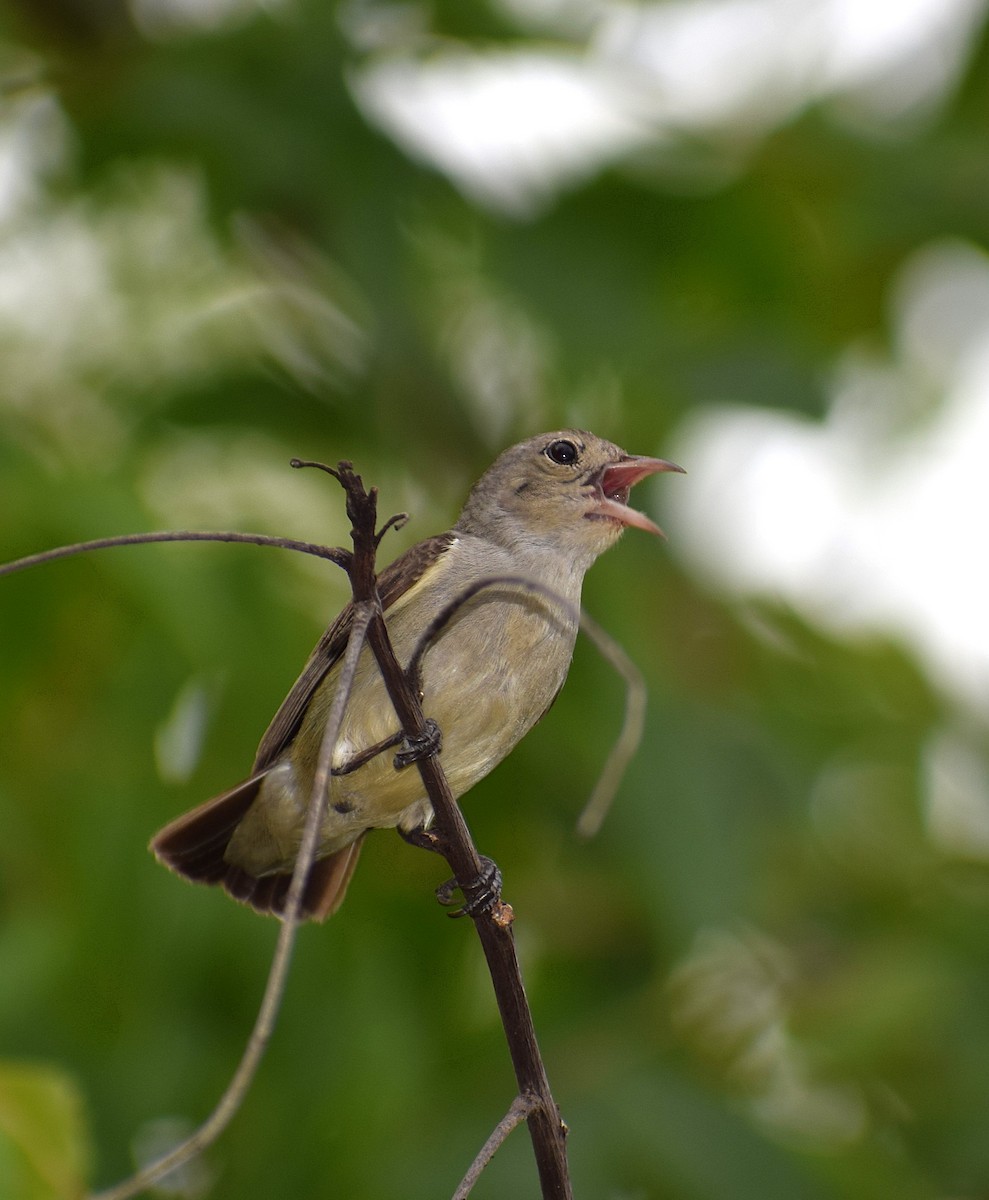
x=486 y=681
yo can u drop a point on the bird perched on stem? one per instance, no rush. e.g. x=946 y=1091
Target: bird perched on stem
x=543 y=512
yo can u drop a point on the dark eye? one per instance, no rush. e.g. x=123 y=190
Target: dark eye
x=562 y=452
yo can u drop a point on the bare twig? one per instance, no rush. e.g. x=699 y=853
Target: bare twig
x=446 y=614
x=546 y=1129
x=334 y=554
x=264 y=1025
x=519 y=1111
x=232 y=1097
x=629 y=738
x=622 y=752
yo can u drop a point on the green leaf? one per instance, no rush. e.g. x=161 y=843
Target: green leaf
x=44 y=1144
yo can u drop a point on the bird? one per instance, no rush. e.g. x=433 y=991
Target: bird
x=543 y=512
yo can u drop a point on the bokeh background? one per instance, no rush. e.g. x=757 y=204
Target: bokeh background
x=750 y=235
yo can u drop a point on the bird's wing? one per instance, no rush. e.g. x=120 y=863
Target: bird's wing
x=393 y=582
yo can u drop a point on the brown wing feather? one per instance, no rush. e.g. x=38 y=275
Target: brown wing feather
x=393 y=582
x=194 y=844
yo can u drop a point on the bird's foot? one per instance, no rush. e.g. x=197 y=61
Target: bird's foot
x=480 y=895
x=429 y=742
x=423 y=838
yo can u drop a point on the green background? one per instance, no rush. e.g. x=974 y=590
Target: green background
x=736 y=996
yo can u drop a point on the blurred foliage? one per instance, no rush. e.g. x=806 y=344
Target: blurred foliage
x=43 y=1147
x=765 y=977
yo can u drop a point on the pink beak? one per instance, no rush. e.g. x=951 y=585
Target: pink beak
x=614 y=484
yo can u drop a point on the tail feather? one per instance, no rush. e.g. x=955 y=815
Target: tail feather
x=324 y=891
x=194 y=845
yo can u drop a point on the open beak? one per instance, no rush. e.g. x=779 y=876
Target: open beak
x=616 y=481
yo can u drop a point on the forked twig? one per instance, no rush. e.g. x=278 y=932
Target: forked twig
x=493 y=925
x=518 y=1112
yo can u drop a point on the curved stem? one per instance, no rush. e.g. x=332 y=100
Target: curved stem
x=630 y=737
x=264 y=1025
x=332 y=553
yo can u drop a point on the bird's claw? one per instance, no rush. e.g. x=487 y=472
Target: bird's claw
x=480 y=895
x=422 y=838
x=429 y=742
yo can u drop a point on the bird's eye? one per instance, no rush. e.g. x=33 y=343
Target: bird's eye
x=563 y=452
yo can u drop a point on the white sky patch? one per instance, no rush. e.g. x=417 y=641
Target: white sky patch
x=874 y=520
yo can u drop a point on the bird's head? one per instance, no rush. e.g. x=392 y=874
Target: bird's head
x=567 y=490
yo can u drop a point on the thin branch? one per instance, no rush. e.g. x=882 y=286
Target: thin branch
x=630 y=737
x=230 y=1101
x=445 y=615
x=334 y=554
x=521 y=1107
x=624 y=749
x=546 y=1129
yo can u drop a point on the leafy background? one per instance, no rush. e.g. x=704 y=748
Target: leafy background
x=768 y=975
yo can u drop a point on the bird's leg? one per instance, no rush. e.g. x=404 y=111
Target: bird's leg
x=365 y=756
x=480 y=895
x=429 y=742
x=423 y=838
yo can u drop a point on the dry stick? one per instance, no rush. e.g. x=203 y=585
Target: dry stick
x=230 y=1101
x=602 y=796
x=622 y=752
x=546 y=1129
x=520 y=1108
x=447 y=613
x=172 y=535
x=233 y=1095
x=235 y=1091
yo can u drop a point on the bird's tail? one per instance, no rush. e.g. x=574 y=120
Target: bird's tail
x=194 y=844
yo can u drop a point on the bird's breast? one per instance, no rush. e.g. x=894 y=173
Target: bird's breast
x=487 y=677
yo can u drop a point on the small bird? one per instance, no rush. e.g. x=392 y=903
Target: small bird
x=543 y=511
